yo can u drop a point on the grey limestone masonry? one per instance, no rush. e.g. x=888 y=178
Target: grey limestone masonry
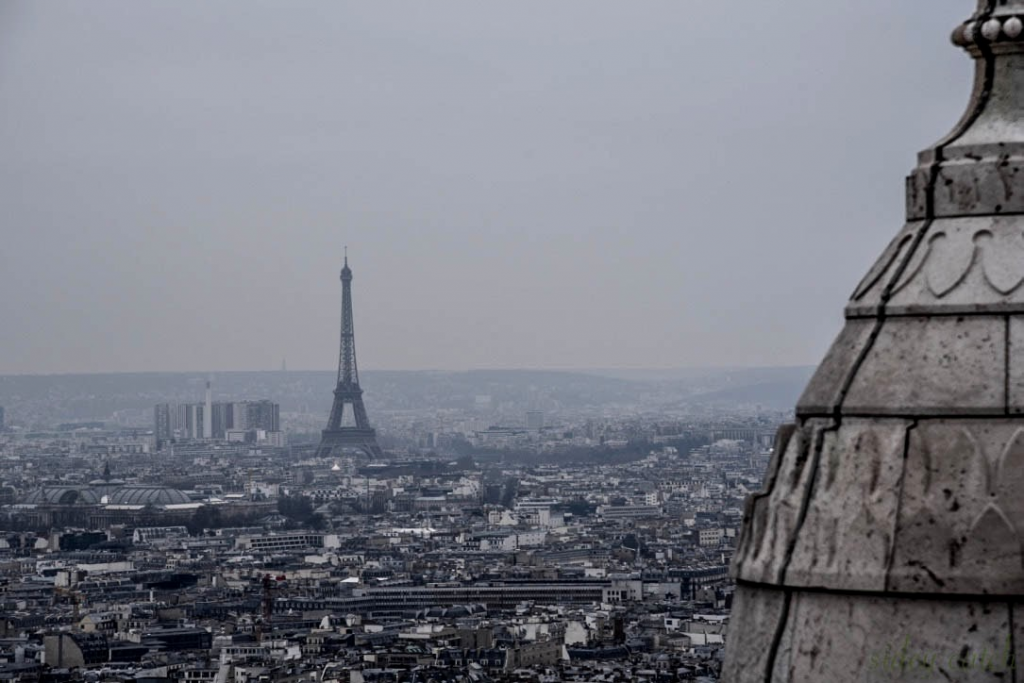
x=888 y=542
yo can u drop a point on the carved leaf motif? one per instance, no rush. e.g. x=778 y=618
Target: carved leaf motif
x=992 y=543
x=1002 y=259
x=948 y=261
x=958 y=525
x=992 y=524
x=952 y=460
x=882 y=266
x=914 y=266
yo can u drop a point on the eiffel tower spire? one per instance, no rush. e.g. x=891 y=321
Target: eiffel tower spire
x=347 y=394
x=347 y=370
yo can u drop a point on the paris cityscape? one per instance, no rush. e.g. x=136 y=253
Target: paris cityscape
x=500 y=524
x=609 y=419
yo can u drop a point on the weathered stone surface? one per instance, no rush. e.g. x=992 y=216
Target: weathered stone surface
x=824 y=392
x=828 y=636
x=756 y=612
x=943 y=518
x=970 y=188
x=963 y=266
x=754 y=505
x=846 y=538
x=960 y=509
x=1015 y=379
x=774 y=517
x=890 y=543
x=944 y=366
x=980 y=172
x=867 y=299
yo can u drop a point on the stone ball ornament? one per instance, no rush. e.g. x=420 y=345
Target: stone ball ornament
x=993 y=30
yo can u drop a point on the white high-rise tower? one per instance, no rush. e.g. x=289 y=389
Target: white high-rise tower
x=208 y=413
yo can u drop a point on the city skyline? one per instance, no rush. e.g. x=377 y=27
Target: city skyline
x=527 y=186
x=602 y=249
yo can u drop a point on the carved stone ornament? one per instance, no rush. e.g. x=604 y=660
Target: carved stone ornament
x=888 y=542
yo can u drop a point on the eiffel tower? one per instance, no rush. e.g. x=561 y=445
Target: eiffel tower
x=358 y=436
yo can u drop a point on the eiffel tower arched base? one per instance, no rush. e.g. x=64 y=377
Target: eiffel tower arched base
x=333 y=442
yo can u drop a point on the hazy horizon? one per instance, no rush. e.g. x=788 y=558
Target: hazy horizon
x=214 y=372
x=525 y=185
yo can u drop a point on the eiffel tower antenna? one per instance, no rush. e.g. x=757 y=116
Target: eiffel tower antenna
x=348 y=394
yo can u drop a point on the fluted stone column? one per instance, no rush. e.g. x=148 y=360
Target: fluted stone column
x=888 y=543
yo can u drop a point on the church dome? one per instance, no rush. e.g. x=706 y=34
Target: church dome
x=147 y=495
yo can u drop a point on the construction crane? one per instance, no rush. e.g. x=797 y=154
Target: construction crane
x=269 y=585
x=61 y=594
x=265 y=624
x=267 y=603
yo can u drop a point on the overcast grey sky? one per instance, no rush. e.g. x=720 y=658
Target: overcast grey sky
x=528 y=183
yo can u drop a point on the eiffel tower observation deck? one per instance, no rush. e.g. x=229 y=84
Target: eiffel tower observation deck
x=888 y=542
x=348 y=428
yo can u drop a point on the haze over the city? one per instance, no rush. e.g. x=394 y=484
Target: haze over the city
x=546 y=185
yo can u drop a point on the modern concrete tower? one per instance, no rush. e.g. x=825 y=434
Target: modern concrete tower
x=208 y=412
x=887 y=542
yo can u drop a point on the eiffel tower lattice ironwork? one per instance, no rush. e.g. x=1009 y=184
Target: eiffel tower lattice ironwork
x=348 y=396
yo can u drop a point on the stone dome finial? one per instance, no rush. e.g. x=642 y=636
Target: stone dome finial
x=892 y=514
x=998 y=25
x=969 y=172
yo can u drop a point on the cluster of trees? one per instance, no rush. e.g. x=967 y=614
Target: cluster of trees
x=587 y=455
x=210 y=517
x=635 y=449
x=300 y=513
x=297 y=509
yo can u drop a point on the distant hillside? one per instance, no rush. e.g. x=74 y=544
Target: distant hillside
x=61 y=398
x=774 y=395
